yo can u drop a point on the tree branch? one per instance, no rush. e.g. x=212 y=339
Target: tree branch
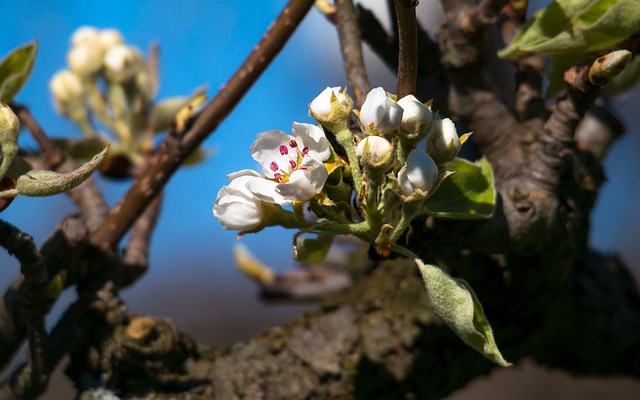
x=33 y=268
x=408 y=42
x=351 y=47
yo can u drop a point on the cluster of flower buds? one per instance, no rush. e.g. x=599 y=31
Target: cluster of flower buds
x=372 y=185
x=111 y=81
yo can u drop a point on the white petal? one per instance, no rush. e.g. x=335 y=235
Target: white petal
x=266 y=190
x=305 y=183
x=314 y=139
x=321 y=105
x=373 y=108
x=266 y=150
x=420 y=172
x=378 y=147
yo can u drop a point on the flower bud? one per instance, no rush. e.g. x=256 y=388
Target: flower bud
x=85 y=36
x=122 y=63
x=236 y=207
x=84 y=59
x=65 y=87
x=109 y=38
x=9 y=129
x=419 y=174
x=377 y=148
x=443 y=143
x=331 y=105
x=380 y=114
x=416 y=119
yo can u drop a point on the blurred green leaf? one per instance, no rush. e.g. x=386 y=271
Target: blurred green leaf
x=15 y=70
x=312 y=247
x=456 y=303
x=467 y=194
x=164 y=112
x=198 y=156
x=82 y=149
x=48 y=183
x=576 y=26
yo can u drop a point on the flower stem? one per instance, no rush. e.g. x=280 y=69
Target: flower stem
x=345 y=138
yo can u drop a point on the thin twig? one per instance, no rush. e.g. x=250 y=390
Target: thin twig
x=135 y=261
x=174 y=150
x=351 y=47
x=87 y=196
x=33 y=268
x=408 y=42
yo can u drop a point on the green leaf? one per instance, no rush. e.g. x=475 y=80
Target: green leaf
x=312 y=247
x=15 y=70
x=48 y=183
x=576 y=26
x=456 y=303
x=467 y=194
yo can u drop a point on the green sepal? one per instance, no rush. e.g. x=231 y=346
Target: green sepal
x=469 y=193
x=15 y=69
x=458 y=306
x=48 y=183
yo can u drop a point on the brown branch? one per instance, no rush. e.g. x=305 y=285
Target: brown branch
x=87 y=196
x=174 y=150
x=33 y=267
x=408 y=52
x=351 y=47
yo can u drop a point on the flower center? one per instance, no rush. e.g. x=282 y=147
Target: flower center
x=293 y=156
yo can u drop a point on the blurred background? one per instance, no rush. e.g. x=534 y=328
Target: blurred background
x=192 y=279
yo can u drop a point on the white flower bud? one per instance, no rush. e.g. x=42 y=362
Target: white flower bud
x=416 y=118
x=443 y=144
x=122 y=63
x=377 y=146
x=236 y=207
x=85 y=59
x=331 y=102
x=85 y=36
x=109 y=38
x=65 y=87
x=420 y=173
x=9 y=129
x=380 y=114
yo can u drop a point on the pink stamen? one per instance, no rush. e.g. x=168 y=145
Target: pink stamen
x=284 y=150
x=293 y=164
x=277 y=176
x=273 y=166
x=305 y=151
x=293 y=144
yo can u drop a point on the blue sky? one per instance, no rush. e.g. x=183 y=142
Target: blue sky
x=203 y=42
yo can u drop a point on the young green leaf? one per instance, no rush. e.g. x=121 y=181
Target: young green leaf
x=49 y=183
x=456 y=303
x=312 y=247
x=15 y=70
x=469 y=193
x=576 y=26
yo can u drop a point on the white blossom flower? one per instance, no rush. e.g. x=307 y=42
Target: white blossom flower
x=65 y=87
x=416 y=118
x=293 y=164
x=85 y=59
x=321 y=107
x=379 y=113
x=122 y=62
x=419 y=173
x=443 y=143
x=109 y=38
x=85 y=36
x=236 y=207
x=378 y=148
